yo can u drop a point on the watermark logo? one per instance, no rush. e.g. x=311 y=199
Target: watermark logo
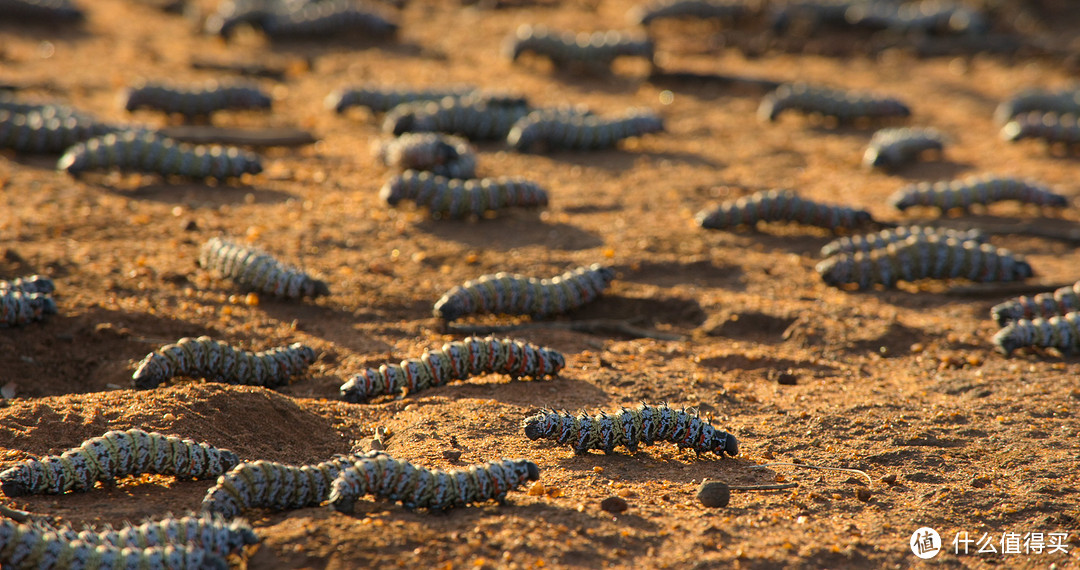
x=925 y=543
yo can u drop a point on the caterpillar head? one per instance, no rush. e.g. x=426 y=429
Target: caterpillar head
x=1005 y=340
x=534 y=426
x=13 y=481
x=836 y=270
x=726 y=443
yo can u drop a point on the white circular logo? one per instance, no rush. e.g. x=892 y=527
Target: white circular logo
x=926 y=543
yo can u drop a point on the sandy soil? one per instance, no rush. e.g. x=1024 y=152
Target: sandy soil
x=902 y=384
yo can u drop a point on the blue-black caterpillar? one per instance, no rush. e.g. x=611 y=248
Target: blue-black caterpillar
x=514 y=294
x=781 y=206
x=272 y=485
x=43 y=10
x=18 y=308
x=217 y=361
x=28 y=547
x=440 y=154
x=1060 y=331
x=196 y=100
x=1050 y=127
x=116 y=454
x=432 y=489
x=253 y=269
x=1044 y=305
x=646 y=14
x=985 y=190
x=29 y=284
x=631 y=427
x=815 y=13
x=18 y=106
x=476 y=120
x=381 y=99
x=450 y=198
x=917 y=17
x=561 y=130
x=141 y=151
x=596 y=50
x=328 y=18
x=844 y=106
x=882 y=239
x=891 y=148
x=457 y=360
x=212 y=533
x=1044 y=101
x=35 y=132
x=924 y=257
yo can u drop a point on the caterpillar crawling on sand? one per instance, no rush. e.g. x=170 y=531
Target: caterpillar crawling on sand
x=984 y=190
x=646 y=14
x=844 y=106
x=1050 y=127
x=1044 y=305
x=34 y=132
x=142 y=151
x=892 y=148
x=548 y=129
x=1041 y=100
x=209 y=532
x=440 y=154
x=19 y=106
x=596 y=50
x=782 y=206
x=329 y=18
x=19 y=308
x=217 y=361
x=196 y=100
x=475 y=120
x=1060 y=331
x=452 y=198
x=28 y=547
x=381 y=99
x=41 y=10
x=29 y=284
x=881 y=240
x=257 y=270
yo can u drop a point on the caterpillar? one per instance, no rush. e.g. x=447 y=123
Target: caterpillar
x=439 y=154
x=449 y=198
x=986 y=189
x=782 y=206
x=560 y=130
x=891 y=147
x=1044 y=305
x=26 y=546
x=216 y=361
x=272 y=485
x=382 y=99
x=141 y=151
x=231 y=14
x=630 y=427
x=882 y=239
x=475 y=120
x=35 y=132
x=432 y=489
x=17 y=106
x=1059 y=331
x=1044 y=101
x=816 y=13
x=457 y=360
x=328 y=18
x=209 y=532
x=115 y=454
x=257 y=270
x=646 y=14
x=844 y=106
x=29 y=284
x=517 y=294
x=44 y=10
x=196 y=100
x=596 y=50
x=921 y=17
x=1050 y=127
x=19 y=308
x=922 y=257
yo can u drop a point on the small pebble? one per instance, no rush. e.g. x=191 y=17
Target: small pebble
x=714 y=494
x=614 y=505
x=452 y=455
x=786 y=379
x=889 y=479
x=980 y=482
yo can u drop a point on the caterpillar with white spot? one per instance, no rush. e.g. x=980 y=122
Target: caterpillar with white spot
x=1044 y=305
x=924 y=257
x=141 y=151
x=1042 y=100
x=1059 y=331
x=631 y=427
x=881 y=240
x=440 y=154
x=19 y=308
x=984 y=190
x=454 y=199
x=212 y=533
x=199 y=100
x=782 y=206
x=475 y=120
x=329 y=18
x=515 y=294
x=256 y=270
x=591 y=51
x=1050 y=127
x=382 y=99
x=34 y=132
x=116 y=454
x=892 y=147
x=432 y=489
x=51 y=11
x=551 y=130
x=273 y=485
x=29 y=284
x=646 y=14
x=457 y=360
x=844 y=106
x=217 y=361
x=28 y=547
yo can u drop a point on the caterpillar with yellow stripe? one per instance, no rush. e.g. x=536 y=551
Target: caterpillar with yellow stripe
x=782 y=206
x=142 y=151
x=1044 y=305
x=844 y=106
x=256 y=270
x=592 y=51
x=551 y=130
x=198 y=100
x=1061 y=332
x=217 y=361
x=454 y=198
x=212 y=533
x=892 y=147
x=440 y=154
x=966 y=192
x=881 y=240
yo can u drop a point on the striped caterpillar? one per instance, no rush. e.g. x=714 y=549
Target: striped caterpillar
x=891 y=148
x=116 y=454
x=448 y=198
x=1044 y=101
x=476 y=120
x=257 y=270
x=1044 y=305
x=34 y=132
x=561 y=130
x=432 y=489
x=19 y=308
x=985 y=190
x=630 y=427
x=216 y=361
x=29 y=284
x=781 y=206
x=27 y=547
x=1059 y=331
x=212 y=533
x=591 y=51
x=439 y=154
x=925 y=17
x=382 y=99
x=328 y=18
x=196 y=100
x=141 y=151
x=844 y=106
x=44 y=10
x=646 y=14
x=457 y=360
x=272 y=485
x=1050 y=127
x=17 y=106
x=520 y=295
x=881 y=240
x=922 y=257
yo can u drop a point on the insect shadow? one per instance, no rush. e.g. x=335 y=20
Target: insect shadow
x=703 y=272
x=525 y=393
x=201 y=195
x=512 y=232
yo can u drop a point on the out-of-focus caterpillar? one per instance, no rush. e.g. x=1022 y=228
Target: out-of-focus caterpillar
x=1044 y=101
x=596 y=50
x=41 y=10
x=381 y=99
x=476 y=120
x=272 y=485
x=141 y=151
x=882 y=239
x=217 y=361
x=928 y=16
x=196 y=100
x=452 y=198
x=815 y=13
x=29 y=284
x=231 y=14
x=844 y=106
x=116 y=454
x=34 y=132
x=1044 y=305
x=17 y=106
x=209 y=532
x=892 y=147
x=924 y=257
x=18 y=308
x=631 y=427
x=1050 y=127
x=782 y=206
x=515 y=294
x=28 y=547
x=432 y=489
x=457 y=360
x=646 y=14
x=254 y=269
x=560 y=130
x=440 y=154
x=1060 y=331
x=987 y=189
x=329 y=18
